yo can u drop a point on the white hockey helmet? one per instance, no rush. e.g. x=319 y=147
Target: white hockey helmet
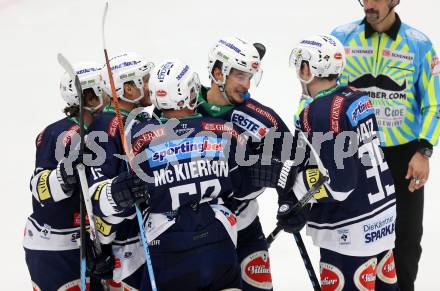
x=324 y=53
x=125 y=68
x=233 y=52
x=173 y=85
x=89 y=77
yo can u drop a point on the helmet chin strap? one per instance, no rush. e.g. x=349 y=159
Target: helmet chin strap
x=221 y=86
x=135 y=101
x=304 y=84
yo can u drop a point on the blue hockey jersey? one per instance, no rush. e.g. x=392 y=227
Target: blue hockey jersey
x=354 y=213
x=55 y=220
x=119 y=229
x=191 y=170
x=269 y=135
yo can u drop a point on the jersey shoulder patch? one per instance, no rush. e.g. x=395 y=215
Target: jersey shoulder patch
x=359 y=109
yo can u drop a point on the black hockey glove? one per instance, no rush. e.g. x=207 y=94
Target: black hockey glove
x=277 y=175
x=67 y=174
x=291 y=218
x=127 y=189
x=100 y=266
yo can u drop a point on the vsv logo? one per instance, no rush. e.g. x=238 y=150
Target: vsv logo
x=185 y=149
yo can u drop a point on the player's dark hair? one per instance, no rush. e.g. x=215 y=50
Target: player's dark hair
x=73 y=110
x=217 y=65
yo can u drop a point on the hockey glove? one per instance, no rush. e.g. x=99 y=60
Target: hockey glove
x=67 y=174
x=291 y=218
x=100 y=266
x=277 y=175
x=127 y=189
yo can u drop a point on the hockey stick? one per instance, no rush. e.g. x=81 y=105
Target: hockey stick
x=307 y=263
x=84 y=197
x=297 y=236
x=301 y=203
x=128 y=153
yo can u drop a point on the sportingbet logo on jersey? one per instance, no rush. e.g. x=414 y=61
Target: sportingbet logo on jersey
x=188 y=148
x=359 y=109
x=249 y=124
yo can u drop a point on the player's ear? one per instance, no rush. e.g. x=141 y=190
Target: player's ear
x=128 y=89
x=217 y=73
x=305 y=71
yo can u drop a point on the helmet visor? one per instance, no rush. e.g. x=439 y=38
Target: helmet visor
x=246 y=78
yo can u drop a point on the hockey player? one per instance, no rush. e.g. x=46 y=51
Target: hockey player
x=233 y=66
x=188 y=170
x=51 y=236
x=353 y=216
x=130 y=73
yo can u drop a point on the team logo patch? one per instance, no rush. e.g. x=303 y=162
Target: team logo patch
x=359 y=109
x=46 y=231
x=386 y=269
x=332 y=278
x=365 y=275
x=255 y=270
x=74 y=286
x=188 y=148
x=344 y=236
x=251 y=125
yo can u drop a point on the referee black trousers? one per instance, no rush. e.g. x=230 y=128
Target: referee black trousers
x=409 y=221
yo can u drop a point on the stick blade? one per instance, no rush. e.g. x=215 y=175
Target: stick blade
x=67 y=66
x=104 y=17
